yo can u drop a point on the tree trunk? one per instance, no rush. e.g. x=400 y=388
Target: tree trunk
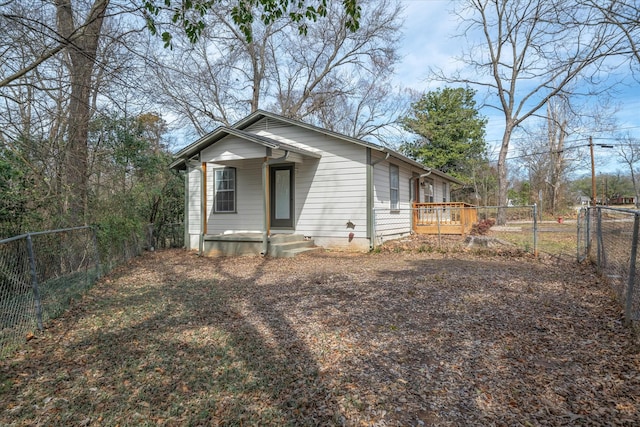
x=82 y=54
x=503 y=184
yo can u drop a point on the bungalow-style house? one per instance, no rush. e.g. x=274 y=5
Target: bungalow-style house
x=271 y=185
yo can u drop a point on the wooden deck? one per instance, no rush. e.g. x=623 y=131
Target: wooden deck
x=444 y=218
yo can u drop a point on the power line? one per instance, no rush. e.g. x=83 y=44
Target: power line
x=571 y=147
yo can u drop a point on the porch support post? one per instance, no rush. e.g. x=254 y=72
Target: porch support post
x=204 y=198
x=265 y=207
x=185 y=228
x=265 y=196
x=203 y=207
x=369 y=192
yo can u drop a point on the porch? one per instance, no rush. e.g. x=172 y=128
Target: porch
x=240 y=244
x=443 y=218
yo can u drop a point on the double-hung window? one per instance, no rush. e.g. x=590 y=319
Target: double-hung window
x=225 y=190
x=394 y=186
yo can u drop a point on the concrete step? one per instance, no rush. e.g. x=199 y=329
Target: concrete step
x=289 y=245
x=295 y=252
x=286 y=238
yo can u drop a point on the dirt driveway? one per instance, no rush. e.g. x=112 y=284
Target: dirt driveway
x=381 y=339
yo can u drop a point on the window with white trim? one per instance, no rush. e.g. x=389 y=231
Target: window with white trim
x=444 y=192
x=394 y=186
x=224 y=190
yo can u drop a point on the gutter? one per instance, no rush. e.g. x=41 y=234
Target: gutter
x=424 y=175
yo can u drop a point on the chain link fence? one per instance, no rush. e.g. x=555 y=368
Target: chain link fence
x=41 y=273
x=608 y=237
x=523 y=229
x=457 y=219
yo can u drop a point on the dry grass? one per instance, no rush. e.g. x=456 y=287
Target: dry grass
x=393 y=338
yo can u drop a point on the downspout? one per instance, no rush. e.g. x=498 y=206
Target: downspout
x=265 y=198
x=424 y=175
x=369 y=179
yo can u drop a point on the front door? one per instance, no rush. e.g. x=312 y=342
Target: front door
x=281 y=188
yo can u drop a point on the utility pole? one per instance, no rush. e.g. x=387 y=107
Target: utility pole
x=593 y=171
x=593 y=174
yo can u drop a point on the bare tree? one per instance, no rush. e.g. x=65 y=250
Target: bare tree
x=629 y=153
x=557 y=133
x=73 y=33
x=366 y=112
x=332 y=76
x=624 y=14
x=531 y=51
x=218 y=79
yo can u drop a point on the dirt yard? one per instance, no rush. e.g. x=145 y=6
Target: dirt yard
x=407 y=336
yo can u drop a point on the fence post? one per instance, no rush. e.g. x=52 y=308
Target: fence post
x=599 y=241
x=632 y=270
x=589 y=231
x=34 y=282
x=94 y=238
x=535 y=230
x=374 y=219
x=581 y=214
x=438 y=221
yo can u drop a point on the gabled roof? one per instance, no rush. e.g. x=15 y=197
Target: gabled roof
x=238 y=130
x=191 y=150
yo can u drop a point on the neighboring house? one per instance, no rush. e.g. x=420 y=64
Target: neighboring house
x=584 y=200
x=267 y=176
x=622 y=200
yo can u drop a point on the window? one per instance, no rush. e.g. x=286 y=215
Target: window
x=444 y=192
x=225 y=190
x=394 y=186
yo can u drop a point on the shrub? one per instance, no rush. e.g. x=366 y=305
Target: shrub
x=482 y=227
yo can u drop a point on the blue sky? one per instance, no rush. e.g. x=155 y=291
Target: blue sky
x=430 y=40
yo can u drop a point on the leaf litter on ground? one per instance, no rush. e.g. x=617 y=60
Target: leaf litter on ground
x=399 y=337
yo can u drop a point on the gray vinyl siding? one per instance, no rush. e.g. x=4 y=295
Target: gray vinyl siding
x=249 y=204
x=232 y=148
x=391 y=222
x=330 y=191
x=246 y=157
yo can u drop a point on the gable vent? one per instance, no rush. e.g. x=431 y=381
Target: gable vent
x=266 y=123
